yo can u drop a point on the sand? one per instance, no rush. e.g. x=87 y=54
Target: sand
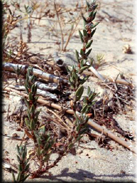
x=114 y=32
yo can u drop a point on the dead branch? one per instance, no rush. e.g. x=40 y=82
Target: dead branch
x=105 y=78
x=38 y=73
x=90 y=121
x=39 y=92
x=58 y=117
x=60 y=25
x=96 y=73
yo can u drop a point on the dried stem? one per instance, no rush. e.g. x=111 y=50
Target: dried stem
x=90 y=121
x=62 y=35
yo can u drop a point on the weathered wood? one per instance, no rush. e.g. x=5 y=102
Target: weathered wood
x=90 y=121
x=38 y=73
x=40 y=92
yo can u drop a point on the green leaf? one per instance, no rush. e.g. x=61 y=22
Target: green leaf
x=87 y=3
x=88 y=91
x=71 y=80
x=84 y=68
x=84 y=79
x=43 y=129
x=36 y=98
x=79 y=92
x=85 y=100
x=32 y=109
x=92 y=33
x=94 y=7
x=13 y=176
x=29 y=114
x=38 y=151
x=18 y=149
x=18 y=158
x=47 y=158
x=24 y=154
x=27 y=122
x=21 y=149
x=68 y=70
x=20 y=167
x=83 y=130
x=88 y=52
x=89 y=44
x=33 y=89
x=41 y=151
x=92 y=96
x=82 y=63
x=27 y=160
x=32 y=79
x=74 y=75
x=93 y=26
x=26 y=102
x=85 y=32
x=30 y=96
x=85 y=21
x=76 y=117
x=71 y=145
x=78 y=126
x=51 y=144
x=26 y=87
x=25 y=177
x=94 y=15
x=27 y=167
x=84 y=109
x=82 y=52
x=91 y=14
x=37 y=114
x=29 y=71
x=77 y=55
x=32 y=125
x=81 y=36
x=79 y=137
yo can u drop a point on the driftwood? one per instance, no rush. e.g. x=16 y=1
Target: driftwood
x=96 y=73
x=39 y=92
x=90 y=121
x=38 y=73
x=47 y=87
x=52 y=78
x=60 y=63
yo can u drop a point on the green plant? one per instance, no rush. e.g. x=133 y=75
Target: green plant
x=88 y=101
x=98 y=61
x=76 y=78
x=32 y=115
x=18 y=72
x=45 y=141
x=43 y=146
x=23 y=166
x=100 y=58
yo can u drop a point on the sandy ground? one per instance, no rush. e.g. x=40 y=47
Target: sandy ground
x=91 y=162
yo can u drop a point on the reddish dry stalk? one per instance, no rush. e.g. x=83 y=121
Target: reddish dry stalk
x=40 y=171
x=90 y=122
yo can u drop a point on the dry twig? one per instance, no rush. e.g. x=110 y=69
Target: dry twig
x=90 y=121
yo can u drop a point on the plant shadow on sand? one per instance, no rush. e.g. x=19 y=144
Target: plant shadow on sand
x=83 y=175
